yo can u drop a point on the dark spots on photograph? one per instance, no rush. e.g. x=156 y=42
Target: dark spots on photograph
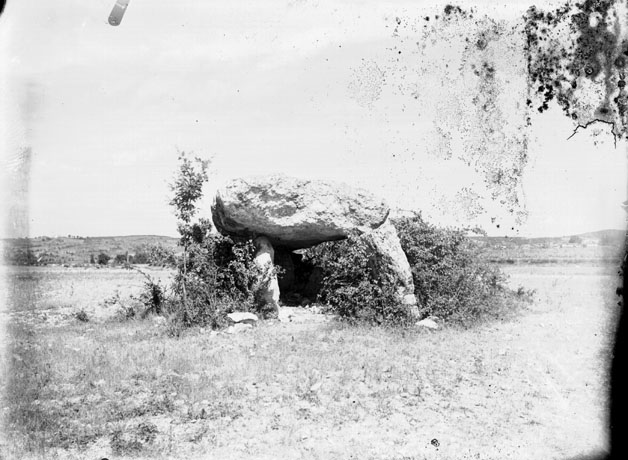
x=489 y=70
x=453 y=9
x=493 y=141
x=604 y=111
x=576 y=42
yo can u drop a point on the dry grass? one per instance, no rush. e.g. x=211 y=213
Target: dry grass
x=530 y=388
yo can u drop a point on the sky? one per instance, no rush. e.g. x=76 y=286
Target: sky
x=366 y=92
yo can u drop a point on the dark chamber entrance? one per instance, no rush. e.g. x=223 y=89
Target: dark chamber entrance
x=300 y=282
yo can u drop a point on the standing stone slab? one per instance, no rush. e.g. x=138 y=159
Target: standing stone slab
x=268 y=287
x=393 y=261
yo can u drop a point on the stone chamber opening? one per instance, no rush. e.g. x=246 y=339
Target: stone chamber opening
x=300 y=280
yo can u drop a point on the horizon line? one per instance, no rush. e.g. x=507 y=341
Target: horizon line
x=176 y=237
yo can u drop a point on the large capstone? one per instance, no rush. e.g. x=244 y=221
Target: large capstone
x=295 y=213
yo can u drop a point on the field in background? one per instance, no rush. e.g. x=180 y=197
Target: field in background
x=601 y=246
x=533 y=387
x=604 y=245
x=78 y=250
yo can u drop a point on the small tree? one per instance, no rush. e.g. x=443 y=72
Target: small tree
x=120 y=259
x=187 y=189
x=103 y=259
x=216 y=274
x=157 y=254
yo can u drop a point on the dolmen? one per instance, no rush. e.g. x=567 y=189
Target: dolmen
x=283 y=214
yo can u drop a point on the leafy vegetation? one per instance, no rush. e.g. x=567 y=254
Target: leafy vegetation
x=157 y=255
x=353 y=286
x=152 y=296
x=219 y=277
x=103 y=258
x=215 y=275
x=451 y=280
x=187 y=189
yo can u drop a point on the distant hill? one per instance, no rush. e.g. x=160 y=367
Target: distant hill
x=611 y=237
x=76 y=250
x=601 y=245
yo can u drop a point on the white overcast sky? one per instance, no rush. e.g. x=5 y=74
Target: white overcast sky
x=319 y=89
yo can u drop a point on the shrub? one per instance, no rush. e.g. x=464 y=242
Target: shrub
x=450 y=279
x=215 y=274
x=81 y=315
x=353 y=286
x=152 y=297
x=103 y=259
x=154 y=254
x=220 y=277
x=120 y=259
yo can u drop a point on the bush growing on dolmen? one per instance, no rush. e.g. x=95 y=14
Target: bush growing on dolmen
x=220 y=277
x=451 y=280
x=353 y=286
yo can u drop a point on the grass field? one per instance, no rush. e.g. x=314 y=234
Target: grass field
x=533 y=387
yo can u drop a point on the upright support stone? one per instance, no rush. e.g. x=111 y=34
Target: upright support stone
x=268 y=288
x=393 y=261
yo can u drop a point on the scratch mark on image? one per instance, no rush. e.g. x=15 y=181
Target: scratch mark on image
x=117 y=13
